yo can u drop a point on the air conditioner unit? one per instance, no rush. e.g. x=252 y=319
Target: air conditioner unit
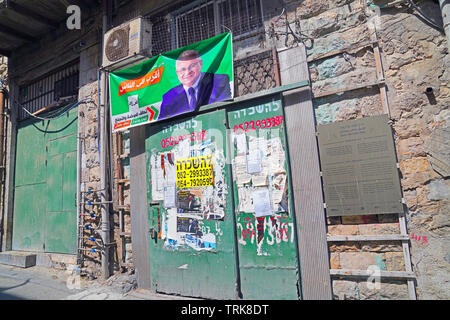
x=127 y=43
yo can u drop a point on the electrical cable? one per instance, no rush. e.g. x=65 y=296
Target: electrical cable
x=60 y=112
x=424 y=16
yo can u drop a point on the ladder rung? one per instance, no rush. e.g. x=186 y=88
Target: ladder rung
x=387 y=237
x=366 y=273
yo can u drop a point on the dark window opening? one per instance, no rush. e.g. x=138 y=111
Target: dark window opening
x=56 y=88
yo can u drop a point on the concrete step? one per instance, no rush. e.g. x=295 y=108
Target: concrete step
x=18 y=259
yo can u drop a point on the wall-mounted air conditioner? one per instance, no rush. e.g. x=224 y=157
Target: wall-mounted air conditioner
x=129 y=42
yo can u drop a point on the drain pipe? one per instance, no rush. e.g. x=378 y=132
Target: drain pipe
x=445 y=9
x=106 y=226
x=2 y=169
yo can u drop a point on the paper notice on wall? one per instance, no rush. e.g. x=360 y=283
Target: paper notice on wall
x=262 y=179
x=254 y=161
x=170 y=196
x=182 y=150
x=245 y=200
x=275 y=146
x=170 y=171
x=258 y=143
x=156 y=178
x=172 y=224
x=278 y=188
x=240 y=170
x=261 y=202
x=240 y=141
x=277 y=157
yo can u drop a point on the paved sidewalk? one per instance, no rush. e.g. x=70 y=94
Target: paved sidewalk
x=40 y=283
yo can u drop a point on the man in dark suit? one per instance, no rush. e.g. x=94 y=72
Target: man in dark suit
x=196 y=89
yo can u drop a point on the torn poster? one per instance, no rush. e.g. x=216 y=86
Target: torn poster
x=171 y=224
x=240 y=141
x=278 y=188
x=169 y=196
x=156 y=181
x=258 y=143
x=262 y=204
x=245 y=199
x=240 y=170
x=206 y=242
x=189 y=201
x=183 y=149
x=254 y=161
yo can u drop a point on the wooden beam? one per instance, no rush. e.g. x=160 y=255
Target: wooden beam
x=30 y=14
x=16 y=33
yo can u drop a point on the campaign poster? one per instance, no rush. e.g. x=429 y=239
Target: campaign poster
x=173 y=83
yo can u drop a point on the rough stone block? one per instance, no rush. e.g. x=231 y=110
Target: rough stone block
x=345 y=290
x=411 y=147
x=18 y=259
x=361 y=260
x=334 y=261
x=394 y=261
x=381 y=246
x=387 y=291
x=416 y=172
x=345 y=246
x=379 y=228
x=439 y=190
x=340 y=229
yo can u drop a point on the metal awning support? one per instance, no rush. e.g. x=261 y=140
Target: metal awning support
x=28 y=13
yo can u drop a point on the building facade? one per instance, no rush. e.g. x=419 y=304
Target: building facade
x=73 y=189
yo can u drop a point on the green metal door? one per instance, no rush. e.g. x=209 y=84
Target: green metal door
x=266 y=232
x=45 y=185
x=60 y=235
x=30 y=186
x=192 y=227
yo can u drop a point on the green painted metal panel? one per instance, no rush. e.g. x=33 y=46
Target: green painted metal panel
x=54 y=183
x=268 y=261
x=191 y=257
x=30 y=153
x=29 y=217
x=63 y=126
x=69 y=181
x=45 y=185
x=61 y=227
x=62 y=145
x=59 y=237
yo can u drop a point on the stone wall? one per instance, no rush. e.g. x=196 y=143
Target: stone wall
x=338 y=35
x=3 y=71
x=344 y=82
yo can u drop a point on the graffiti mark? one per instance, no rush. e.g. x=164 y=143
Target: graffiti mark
x=422 y=239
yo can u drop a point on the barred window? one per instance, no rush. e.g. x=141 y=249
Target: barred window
x=49 y=89
x=203 y=19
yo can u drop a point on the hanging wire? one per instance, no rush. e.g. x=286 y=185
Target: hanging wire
x=425 y=17
x=58 y=113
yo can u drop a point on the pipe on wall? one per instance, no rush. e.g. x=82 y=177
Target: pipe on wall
x=106 y=225
x=2 y=169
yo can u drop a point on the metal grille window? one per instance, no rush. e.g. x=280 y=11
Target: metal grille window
x=203 y=19
x=49 y=89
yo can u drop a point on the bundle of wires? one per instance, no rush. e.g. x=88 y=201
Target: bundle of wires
x=56 y=113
